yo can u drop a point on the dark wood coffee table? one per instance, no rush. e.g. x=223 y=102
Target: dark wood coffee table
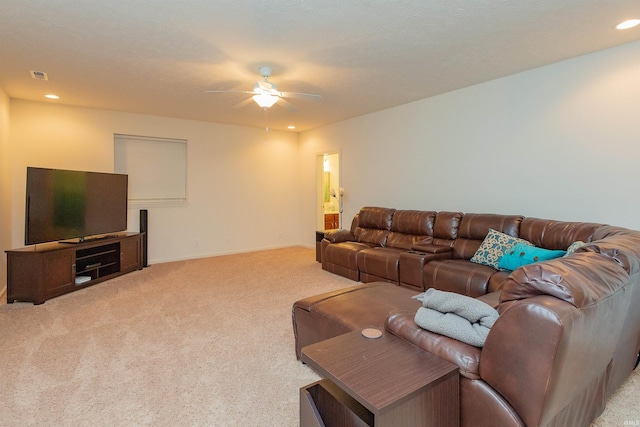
x=378 y=382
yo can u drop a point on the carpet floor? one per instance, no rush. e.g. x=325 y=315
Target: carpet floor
x=203 y=342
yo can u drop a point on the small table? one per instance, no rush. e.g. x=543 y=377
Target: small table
x=385 y=381
x=319 y=237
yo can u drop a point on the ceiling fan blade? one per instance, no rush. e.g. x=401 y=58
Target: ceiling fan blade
x=299 y=95
x=286 y=104
x=228 y=91
x=267 y=93
x=243 y=103
x=265 y=86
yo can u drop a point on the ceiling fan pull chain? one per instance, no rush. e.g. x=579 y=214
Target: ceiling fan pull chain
x=266 y=129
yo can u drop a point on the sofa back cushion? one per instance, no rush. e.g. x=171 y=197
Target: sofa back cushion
x=474 y=228
x=411 y=228
x=373 y=217
x=373 y=225
x=445 y=228
x=413 y=222
x=555 y=235
x=354 y=224
x=620 y=244
x=372 y=236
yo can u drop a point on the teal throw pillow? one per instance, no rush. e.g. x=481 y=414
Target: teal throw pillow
x=520 y=255
x=493 y=247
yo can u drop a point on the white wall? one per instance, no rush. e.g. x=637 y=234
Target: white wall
x=241 y=190
x=559 y=142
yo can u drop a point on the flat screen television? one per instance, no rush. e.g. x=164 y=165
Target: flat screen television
x=62 y=205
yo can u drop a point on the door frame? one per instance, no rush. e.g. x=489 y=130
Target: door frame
x=319 y=184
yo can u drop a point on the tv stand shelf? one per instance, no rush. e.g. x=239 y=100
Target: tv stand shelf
x=97 y=262
x=38 y=273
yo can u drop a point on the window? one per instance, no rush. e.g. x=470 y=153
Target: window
x=157 y=167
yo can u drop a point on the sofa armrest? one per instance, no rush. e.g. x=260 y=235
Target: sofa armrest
x=465 y=356
x=554 y=348
x=337 y=236
x=432 y=249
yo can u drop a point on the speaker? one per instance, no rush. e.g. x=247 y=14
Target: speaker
x=144 y=230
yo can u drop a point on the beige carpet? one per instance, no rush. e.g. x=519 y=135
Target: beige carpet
x=204 y=342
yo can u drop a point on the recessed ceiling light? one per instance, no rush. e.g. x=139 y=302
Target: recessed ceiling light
x=630 y=23
x=291 y=127
x=52 y=96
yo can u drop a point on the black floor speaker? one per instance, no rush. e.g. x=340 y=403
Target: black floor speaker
x=144 y=230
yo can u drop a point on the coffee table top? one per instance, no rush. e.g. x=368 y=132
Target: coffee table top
x=379 y=373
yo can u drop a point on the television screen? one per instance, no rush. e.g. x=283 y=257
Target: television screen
x=66 y=204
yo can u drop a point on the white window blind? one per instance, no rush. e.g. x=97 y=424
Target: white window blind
x=157 y=167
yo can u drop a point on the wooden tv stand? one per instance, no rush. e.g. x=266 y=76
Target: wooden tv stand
x=41 y=272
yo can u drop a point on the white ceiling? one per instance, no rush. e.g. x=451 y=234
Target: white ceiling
x=159 y=56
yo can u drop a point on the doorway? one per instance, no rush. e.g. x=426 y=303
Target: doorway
x=329 y=192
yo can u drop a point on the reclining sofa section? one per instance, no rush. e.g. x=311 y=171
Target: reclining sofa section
x=426 y=249
x=568 y=331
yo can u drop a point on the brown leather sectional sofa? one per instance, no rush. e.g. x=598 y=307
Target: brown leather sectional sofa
x=568 y=334
x=427 y=249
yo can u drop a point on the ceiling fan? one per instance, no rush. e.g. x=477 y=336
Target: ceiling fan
x=265 y=93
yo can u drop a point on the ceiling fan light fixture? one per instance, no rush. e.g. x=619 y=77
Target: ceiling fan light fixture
x=265 y=100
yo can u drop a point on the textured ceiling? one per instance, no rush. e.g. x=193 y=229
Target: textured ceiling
x=159 y=56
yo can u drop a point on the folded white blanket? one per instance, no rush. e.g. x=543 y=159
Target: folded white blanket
x=454 y=315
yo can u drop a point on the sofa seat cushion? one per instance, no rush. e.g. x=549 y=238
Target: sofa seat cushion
x=465 y=356
x=380 y=262
x=497 y=280
x=344 y=253
x=458 y=275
